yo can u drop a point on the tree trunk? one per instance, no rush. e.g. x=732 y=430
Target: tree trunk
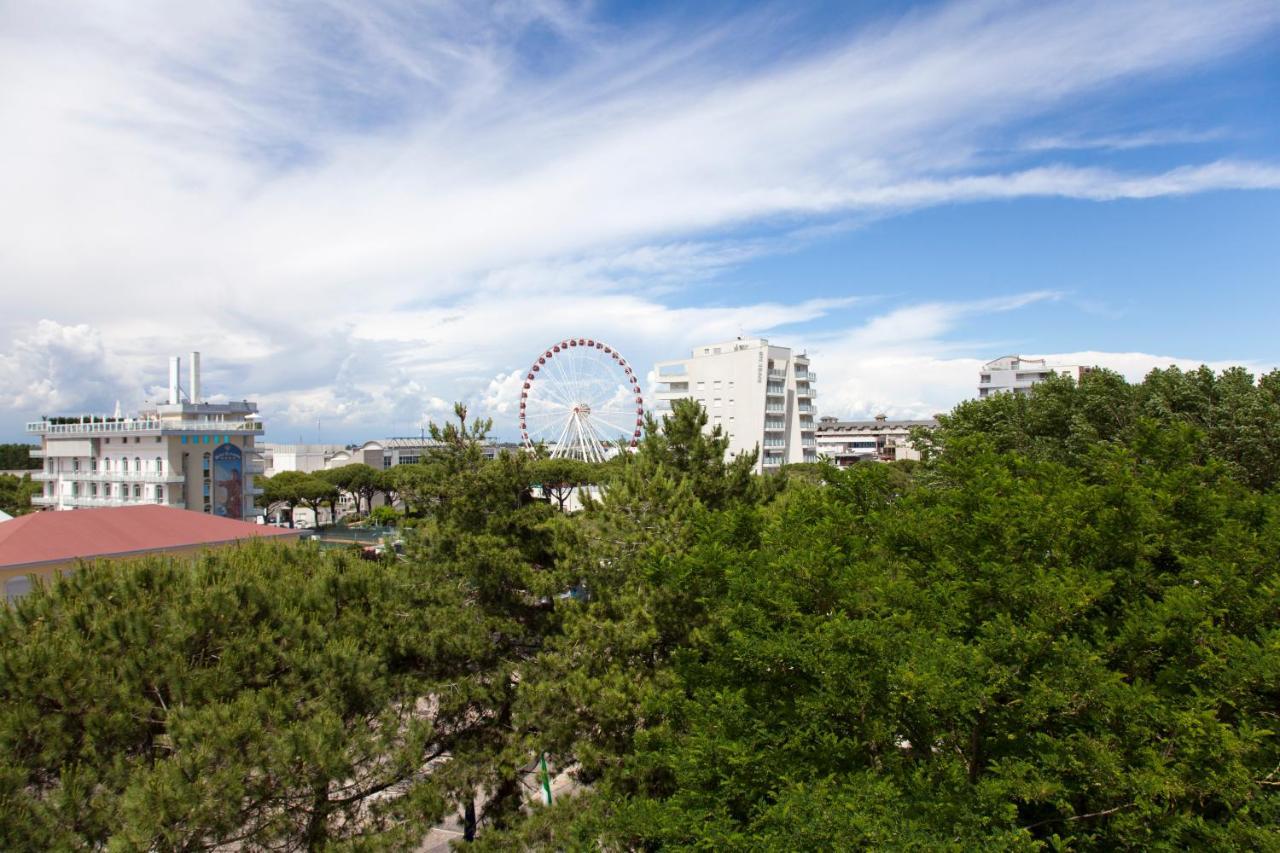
x=469 y=820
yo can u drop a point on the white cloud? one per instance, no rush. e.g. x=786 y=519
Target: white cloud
x=361 y=211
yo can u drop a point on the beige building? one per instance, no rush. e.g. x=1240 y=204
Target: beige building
x=761 y=395
x=184 y=453
x=880 y=439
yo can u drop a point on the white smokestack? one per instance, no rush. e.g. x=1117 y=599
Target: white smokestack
x=194 y=390
x=175 y=370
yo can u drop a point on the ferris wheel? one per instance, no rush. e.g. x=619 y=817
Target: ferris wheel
x=582 y=400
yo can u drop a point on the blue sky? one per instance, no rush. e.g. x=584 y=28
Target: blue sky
x=361 y=212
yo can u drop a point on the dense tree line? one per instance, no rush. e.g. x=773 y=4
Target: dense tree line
x=17 y=457
x=1061 y=630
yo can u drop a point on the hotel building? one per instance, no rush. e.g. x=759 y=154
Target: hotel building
x=762 y=396
x=184 y=453
x=1015 y=375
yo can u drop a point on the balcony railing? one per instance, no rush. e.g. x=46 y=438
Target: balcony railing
x=775 y=390
x=98 y=501
x=774 y=426
x=777 y=374
x=109 y=476
x=806 y=408
x=146 y=425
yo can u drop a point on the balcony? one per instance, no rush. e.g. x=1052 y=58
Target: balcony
x=774 y=373
x=774 y=426
x=89 y=501
x=805 y=407
x=774 y=442
x=109 y=477
x=775 y=390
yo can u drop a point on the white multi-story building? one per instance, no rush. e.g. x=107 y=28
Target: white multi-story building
x=183 y=453
x=1015 y=374
x=762 y=396
x=848 y=442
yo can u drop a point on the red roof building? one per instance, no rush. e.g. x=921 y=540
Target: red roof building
x=44 y=542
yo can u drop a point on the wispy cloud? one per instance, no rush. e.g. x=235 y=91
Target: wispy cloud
x=351 y=176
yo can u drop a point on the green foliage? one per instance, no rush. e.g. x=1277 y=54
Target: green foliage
x=560 y=478
x=1234 y=419
x=16 y=493
x=360 y=481
x=1061 y=630
x=295 y=488
x=385 y=516
x=266 y=695
x=17 y=457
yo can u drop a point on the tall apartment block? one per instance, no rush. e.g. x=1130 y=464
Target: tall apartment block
x=1015 y=374
x=183 y=453
x=762 y=396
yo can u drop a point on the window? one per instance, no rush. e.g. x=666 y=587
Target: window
x=137 y=464
x=204 y=464
x=730 y=384
x=75 y=490
x=106 y=490
x=75 y=465
x=93 y=464
x=137 y=491
x=716 y=402
x=730 y=401
x=93 y=490
x=716 y=384
x=159 y=494
x=702 y=385
x=159 y=465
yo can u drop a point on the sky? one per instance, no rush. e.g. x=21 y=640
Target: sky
x=361 y=212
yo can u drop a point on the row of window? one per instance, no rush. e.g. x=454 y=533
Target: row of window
x=122 y=465
x=206 y=439
x=121 y=491
x=715 y=384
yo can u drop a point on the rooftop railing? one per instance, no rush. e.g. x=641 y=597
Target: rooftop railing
x=142 y=425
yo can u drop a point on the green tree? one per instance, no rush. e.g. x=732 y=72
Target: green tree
x=482 y=535
x=266 y=697
x=360 y=481
x=16 y=493
x=560 y=478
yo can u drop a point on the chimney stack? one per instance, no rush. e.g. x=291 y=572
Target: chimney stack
x=175 y=370
x=194 y=389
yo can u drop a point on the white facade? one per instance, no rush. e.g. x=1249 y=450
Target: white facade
x=164 y=455
x=761 y=396
x=307 y=458
x=1015 y=374
x=883 y=440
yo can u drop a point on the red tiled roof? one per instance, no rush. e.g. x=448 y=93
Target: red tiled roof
x=54 y=537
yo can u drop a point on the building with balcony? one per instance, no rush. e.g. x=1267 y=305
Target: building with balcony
x=1013 y=374
x=185 y=453
x=882 y=440
x=762 y=396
